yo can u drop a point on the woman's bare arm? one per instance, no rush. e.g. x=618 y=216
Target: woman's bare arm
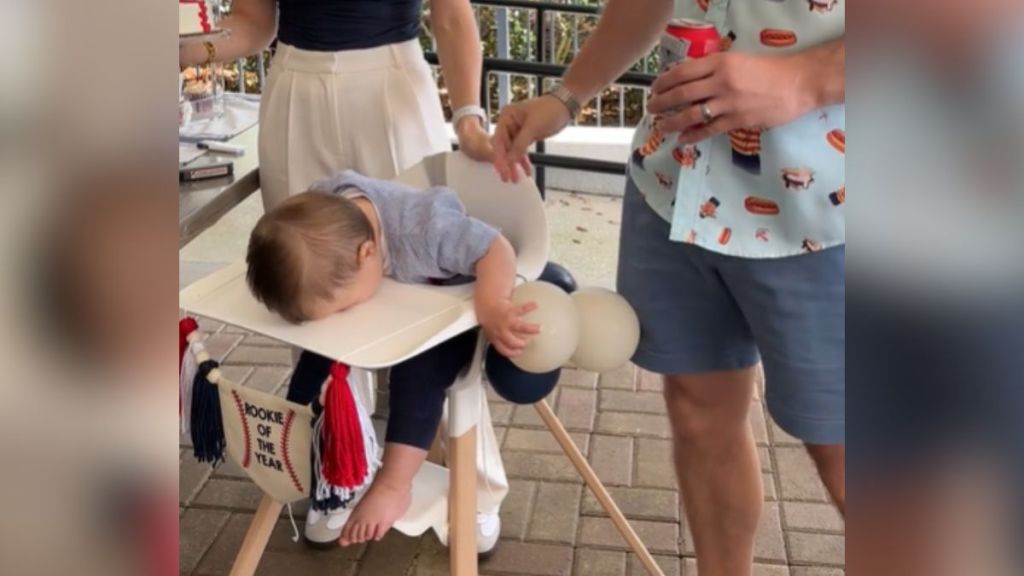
x=252 y=25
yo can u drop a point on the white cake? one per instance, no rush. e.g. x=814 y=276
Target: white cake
x=195 y=17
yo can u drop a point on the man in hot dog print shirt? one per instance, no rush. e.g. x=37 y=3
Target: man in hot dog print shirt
x=732 y=245
x=776 y=179
x=740 y=253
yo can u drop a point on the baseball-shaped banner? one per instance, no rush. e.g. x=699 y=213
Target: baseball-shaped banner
x=269 y=438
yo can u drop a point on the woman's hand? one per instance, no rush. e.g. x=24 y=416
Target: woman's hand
x=191 y=54
x=504 y=326
x=474 y=140
x=519 y=126
x=740 y=91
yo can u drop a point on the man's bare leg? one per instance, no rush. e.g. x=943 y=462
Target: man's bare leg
x=717 y=466
x=388 y=497
x=831 y=462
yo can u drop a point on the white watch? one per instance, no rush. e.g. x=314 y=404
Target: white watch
x=469 y=111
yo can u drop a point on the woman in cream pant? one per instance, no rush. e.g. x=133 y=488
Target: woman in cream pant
x=377 y=112
x=374 y=111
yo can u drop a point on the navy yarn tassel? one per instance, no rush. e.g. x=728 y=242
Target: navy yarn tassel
x=207 y=423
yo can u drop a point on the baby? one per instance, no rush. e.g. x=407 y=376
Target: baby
x=327 y=249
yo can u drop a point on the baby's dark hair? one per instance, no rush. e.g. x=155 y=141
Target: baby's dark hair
x=305 y=248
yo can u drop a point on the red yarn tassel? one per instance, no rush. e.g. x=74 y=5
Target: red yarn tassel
x=186 y=326
x=343 y=450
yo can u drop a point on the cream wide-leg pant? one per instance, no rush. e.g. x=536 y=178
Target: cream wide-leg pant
x=374 y=111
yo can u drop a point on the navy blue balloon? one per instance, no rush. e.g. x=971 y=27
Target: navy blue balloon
x=514 y=384
x=559 y=276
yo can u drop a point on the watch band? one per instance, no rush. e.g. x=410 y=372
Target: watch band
x=563 y=95
x=472 y=110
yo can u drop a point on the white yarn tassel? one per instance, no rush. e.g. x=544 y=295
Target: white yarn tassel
x=370 y=443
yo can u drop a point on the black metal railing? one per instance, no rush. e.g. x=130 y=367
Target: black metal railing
x=541 y=6
x=542 y=71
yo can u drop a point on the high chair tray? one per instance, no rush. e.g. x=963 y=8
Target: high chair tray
x=401 y=319
x=398 y=322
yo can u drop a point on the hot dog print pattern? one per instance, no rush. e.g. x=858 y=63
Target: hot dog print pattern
x=709 y=208
x=837 y=138
x=649 y=147
x=687 y=156
x=777 y=38
x=746 y=149
x=761 y=206
x=754 y=192
x=822 y=6
x=664 y=180
x=797 y=178
x=811 y=245
x=726 y=41
x=838 y=197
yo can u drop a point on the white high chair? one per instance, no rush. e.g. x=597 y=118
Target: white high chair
x=399 y=322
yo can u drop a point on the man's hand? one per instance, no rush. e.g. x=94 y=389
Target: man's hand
x=519 y=126
x=474 y=140
x=502 y=322
x=740 y=90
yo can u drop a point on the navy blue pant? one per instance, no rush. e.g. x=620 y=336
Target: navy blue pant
x=417 y=387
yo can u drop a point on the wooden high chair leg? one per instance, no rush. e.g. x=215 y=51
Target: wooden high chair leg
x=595 y=485
x=462 y=504
x=256 y=537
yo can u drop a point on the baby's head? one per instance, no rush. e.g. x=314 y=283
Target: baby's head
x=313 y=255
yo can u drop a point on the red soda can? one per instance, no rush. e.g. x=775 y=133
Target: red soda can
x=699 y=38
x=685 y=38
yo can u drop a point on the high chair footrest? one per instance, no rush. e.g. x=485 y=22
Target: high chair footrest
x=429 y=508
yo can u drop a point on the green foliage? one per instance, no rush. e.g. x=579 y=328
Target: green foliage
x=250 y=75
x=564 y=33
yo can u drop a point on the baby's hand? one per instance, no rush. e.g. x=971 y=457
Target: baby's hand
x=504 y=326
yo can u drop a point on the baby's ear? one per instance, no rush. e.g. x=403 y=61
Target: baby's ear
x=366 y=250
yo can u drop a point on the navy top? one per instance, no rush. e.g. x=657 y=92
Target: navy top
x=332 y=25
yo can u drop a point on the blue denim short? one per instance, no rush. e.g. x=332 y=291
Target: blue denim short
x=701 y=311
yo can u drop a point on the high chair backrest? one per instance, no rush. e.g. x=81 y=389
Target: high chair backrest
x=515 y=209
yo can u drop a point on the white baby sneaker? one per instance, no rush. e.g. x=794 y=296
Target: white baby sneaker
x=488 y=530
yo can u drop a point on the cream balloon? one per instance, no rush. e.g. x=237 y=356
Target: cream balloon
x=609 y=330
x=559 y=327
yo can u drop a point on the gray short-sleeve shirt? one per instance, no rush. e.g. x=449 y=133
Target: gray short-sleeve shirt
x=427 y=234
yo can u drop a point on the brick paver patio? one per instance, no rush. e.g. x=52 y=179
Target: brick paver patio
x=551 y=525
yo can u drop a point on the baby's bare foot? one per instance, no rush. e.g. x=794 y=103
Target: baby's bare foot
x=382 y=506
